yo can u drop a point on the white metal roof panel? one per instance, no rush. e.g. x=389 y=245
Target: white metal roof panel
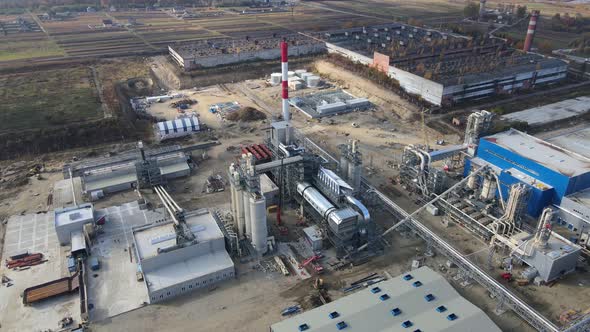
x=90 y=186
x=202 y=224
x=189 y=269
x=552 y=112
x=366 y=311
x=174 y=168
x=73 y=215
x=544 y=153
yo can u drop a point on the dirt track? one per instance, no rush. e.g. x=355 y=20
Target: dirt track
x=378 y=95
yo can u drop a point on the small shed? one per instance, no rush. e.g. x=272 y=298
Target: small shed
x=313 y=236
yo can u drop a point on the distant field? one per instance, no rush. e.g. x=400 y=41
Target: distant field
x=16 y=50
x=84 y=36
x=427 y=11
x=47 y=98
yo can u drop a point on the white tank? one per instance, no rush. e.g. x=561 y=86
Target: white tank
x=472 y=182
x=258 y=220
x=298 y=72
x=275 y=78
x=488 y=189
x=247 y=222
x=240 y=210
x=232 y=195
x=313 y=81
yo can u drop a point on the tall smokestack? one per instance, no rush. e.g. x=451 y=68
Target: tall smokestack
x=285 y=83
x=482 y=8
x=528 y=42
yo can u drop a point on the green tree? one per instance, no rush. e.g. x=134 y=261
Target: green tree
x=521 y=11
x=471 y=10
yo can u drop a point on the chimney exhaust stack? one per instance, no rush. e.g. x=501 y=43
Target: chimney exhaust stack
x=528 y=42
x=285 y=82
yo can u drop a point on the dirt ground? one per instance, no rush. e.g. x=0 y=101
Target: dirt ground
x=254 y=300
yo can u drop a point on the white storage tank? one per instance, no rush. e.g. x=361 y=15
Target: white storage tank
x=313 y=81
x=488 y=189
x=299 y=72
x=246 y=205
x=290 y=73
x=275 y=78
x=241 y=212
x=258 y=220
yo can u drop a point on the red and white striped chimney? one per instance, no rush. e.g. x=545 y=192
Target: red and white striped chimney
x=528 y=42
x=285 y=83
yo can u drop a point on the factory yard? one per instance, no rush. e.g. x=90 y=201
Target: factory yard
x=182 y=183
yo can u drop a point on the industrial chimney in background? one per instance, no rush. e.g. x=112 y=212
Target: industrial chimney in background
x=530 y=34
x=482 y=9
x=285 y=82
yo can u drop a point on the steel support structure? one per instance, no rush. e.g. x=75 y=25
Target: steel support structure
x=520 y=307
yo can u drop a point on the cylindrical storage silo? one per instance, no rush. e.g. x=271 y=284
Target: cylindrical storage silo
x=275 y=78
x=232 y=195
x=298 y=72
x=472 y=182
x=240 y=210
x=247 y=221
x=313 y=81
x=258 y=220
x=488 y=188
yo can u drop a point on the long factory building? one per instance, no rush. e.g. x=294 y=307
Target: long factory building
x=170 y=270
x=420 y=300
x=443 y=68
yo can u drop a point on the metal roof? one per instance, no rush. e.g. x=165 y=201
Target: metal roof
x=174 y=168
x=91 y=185
x=343 y=215
x=73 y=215
x=189 y=269
x=577 y=141
x=541 y=152
x=149 y=239
x=189 y=124
x=551 y=112
x=373 y=309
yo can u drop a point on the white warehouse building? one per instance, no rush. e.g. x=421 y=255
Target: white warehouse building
x=177 y=128
x=170 y=270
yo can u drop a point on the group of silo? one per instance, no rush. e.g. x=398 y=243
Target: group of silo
x=297 y=79
x=249 y=211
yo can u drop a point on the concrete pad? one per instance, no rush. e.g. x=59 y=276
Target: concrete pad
x=35 y=232
x=115 y=288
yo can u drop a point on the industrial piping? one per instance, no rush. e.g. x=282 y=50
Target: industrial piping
x=531 y=31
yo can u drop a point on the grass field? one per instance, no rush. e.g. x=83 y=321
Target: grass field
x=47 y=98
x=16 y=50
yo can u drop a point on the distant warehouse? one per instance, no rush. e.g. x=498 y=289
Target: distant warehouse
x=217 y=52
x=443 y=68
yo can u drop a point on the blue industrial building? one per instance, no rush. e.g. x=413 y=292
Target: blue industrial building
x=552 y=172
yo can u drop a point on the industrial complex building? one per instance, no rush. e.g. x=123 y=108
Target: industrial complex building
x=217 y=52
x=444 y=68
x=550 y=171
x=102 y=176
x=317 y=105
x=420 y=300
x=171 y=268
